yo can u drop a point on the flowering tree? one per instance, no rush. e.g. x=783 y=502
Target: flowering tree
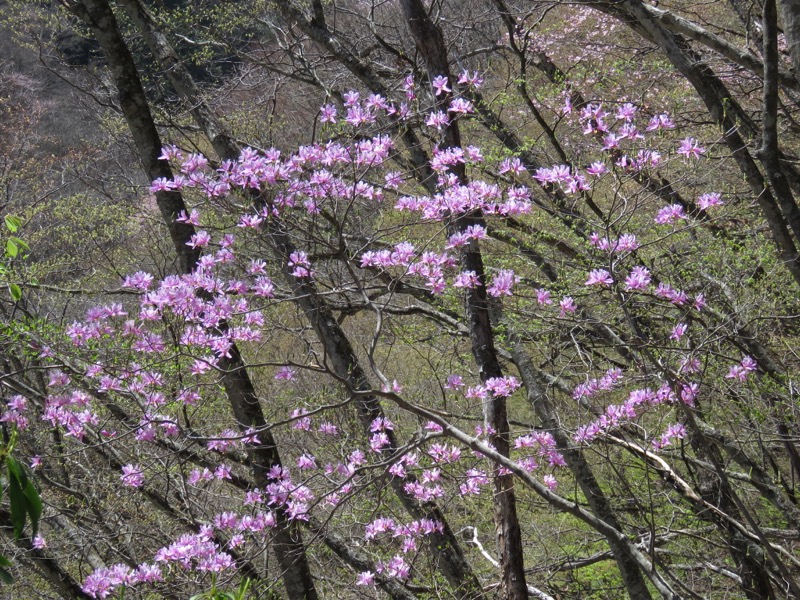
x=369 y=341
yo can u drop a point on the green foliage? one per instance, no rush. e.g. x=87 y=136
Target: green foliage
x=24 y=501
x=12 y=249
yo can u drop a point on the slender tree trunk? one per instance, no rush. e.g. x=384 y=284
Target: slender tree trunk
x=582 y=471
x=289 y=549
x=430 y=44
x=97 y=14
x=782 y=221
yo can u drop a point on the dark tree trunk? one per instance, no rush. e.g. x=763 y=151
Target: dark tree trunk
x=430 y=44
x=99 y=16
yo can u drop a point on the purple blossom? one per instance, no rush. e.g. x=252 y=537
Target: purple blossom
x=467 y=279
x=350 y=98
x=139 y=281
x=599 y=277
x=440 y=84
x=673 y=432
x=502 y=283
x=706 y=201
x=132 y=476
x=639 y=279
x=367 y=578
x=285 y=374
x=201 y=239
x=502 y=386
x=438 y=120
x=597 y=169
x=691 y=148
x=328 y=114
x=567 y=305
x=678 y=331
x=473 y=79
x=626 y=112
x=662 y=121
x=462 y=106
x=669 y=214
x=511 y=165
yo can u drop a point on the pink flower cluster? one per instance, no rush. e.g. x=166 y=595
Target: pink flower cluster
x=742 y=370
x=102 y=582
x=594 y=386
x=674 y=432
x=617 y=414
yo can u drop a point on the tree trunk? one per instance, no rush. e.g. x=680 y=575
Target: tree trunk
x=430 y=44
x=289 y=549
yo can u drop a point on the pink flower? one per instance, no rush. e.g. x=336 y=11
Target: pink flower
x=139 y=280
x=706 y=201
x=460 y=105
x=285 y=374
x=440 y=83
x=748 y=364
x=678 y=331
x=328 y=114
x=306 y=462
x=467 y=279
x=662 y=121
x=350 y=98
x=669 y=214
x=699 y=302
x=472 y=80
x=132 y=476
x=201 y=239
x=511 y=165
x=596 y=169
x=599 y=277
x=437 y=120
x=366 y=578
x=192 y=219
x=691 y=148
x=639 y=279
x=502 y=283
x=302 y=266
x=626 y=112
x=743 y=369
x=567 y=305
x=689 y=393
x=626 y=243
x=453 y=382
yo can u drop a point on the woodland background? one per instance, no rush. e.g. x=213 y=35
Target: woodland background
x=648 y=444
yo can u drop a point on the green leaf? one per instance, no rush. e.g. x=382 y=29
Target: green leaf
x=5 y=576
x=34 y=506
x=16 y=470
x=18 y=506
x=11 y=248
x=13 y=223
x=16 y=292
x=20 y=243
